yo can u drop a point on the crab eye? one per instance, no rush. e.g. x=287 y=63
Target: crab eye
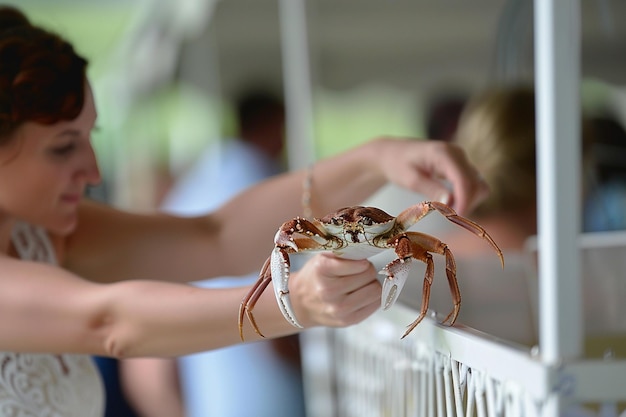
x=367 y=221
x=337 y=221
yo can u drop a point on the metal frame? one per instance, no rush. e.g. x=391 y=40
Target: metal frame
x=553 y=375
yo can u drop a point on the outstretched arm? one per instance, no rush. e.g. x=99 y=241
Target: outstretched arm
x=436 y=169
x=54 y=311
x=237 y=238
x=431 y=168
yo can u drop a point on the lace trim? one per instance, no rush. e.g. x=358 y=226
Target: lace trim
x=32 y=243
x=46 y=385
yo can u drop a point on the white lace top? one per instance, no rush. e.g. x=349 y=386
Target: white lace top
x=46 y=385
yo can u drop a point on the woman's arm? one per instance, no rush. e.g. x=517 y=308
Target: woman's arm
x=237 y=238
x=351 y=177
x=47 y=309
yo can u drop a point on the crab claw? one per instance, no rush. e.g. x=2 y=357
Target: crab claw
x=397 y=272
x=279 y=265
x=282 y=238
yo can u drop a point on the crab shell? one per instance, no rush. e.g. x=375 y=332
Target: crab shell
x=358 y=233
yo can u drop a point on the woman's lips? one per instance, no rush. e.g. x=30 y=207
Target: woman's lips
x=71 y=198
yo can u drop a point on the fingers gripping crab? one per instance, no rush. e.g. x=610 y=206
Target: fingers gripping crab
x=357 y=233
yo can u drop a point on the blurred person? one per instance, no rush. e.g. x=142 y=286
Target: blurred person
x=211 y=382
x=497 y=130
x=234 y=164
x=80 y=278
x=117 y=404
x=443 y=114
x=605 y=202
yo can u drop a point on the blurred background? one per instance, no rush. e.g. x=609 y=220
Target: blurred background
x=165 y=72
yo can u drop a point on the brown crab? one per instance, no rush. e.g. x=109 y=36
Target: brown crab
x=357 y=233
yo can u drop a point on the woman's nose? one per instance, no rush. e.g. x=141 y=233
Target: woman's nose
x=90 y=170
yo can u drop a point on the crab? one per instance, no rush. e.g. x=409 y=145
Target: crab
x=357 y=233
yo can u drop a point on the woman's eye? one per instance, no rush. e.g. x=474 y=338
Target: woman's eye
x=63 y=150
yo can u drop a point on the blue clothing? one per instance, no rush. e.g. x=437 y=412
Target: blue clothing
x=213 y=382
x=116 y=404
x=219 y=173
x=605 y=208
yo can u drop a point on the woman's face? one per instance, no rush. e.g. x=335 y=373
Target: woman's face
x=45 y=169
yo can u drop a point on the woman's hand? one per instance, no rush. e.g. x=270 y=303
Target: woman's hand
x=333 y=291
x=439 y=170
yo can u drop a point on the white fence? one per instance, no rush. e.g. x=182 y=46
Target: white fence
x=436 y=371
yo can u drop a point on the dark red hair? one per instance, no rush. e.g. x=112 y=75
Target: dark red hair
x=42 y=78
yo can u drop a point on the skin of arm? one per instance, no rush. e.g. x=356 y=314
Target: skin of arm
x=53 y=310
x=113 y=245
x=57 y=312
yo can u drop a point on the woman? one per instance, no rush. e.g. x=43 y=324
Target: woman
x=79 y=278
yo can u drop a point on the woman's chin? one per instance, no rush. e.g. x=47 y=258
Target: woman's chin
x=63 y=226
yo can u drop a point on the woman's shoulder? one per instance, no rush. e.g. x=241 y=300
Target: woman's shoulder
x=93 y=216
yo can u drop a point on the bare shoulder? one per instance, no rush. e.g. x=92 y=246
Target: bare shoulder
x=88 y=216
x=97 y=221
x=100 y=233
x=114 y=244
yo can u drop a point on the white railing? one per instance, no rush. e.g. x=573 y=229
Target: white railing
x=440 y=371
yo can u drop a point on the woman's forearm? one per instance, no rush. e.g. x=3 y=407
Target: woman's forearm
x=163 y=320
x=436 y=169
x=56 y=312
x=252 y=218
x=160 y=319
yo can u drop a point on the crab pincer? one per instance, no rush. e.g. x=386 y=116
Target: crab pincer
x=357 y=233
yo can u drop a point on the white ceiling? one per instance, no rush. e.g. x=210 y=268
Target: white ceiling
x=411 y=44
x=415 y=45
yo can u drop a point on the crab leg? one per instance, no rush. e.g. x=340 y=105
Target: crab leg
x=250 y=300
x=275 y=270
x=413 y=214
x=418 y=245
x=356 y=233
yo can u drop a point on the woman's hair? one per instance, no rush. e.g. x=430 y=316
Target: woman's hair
x=42 y=78
x=497 y=130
